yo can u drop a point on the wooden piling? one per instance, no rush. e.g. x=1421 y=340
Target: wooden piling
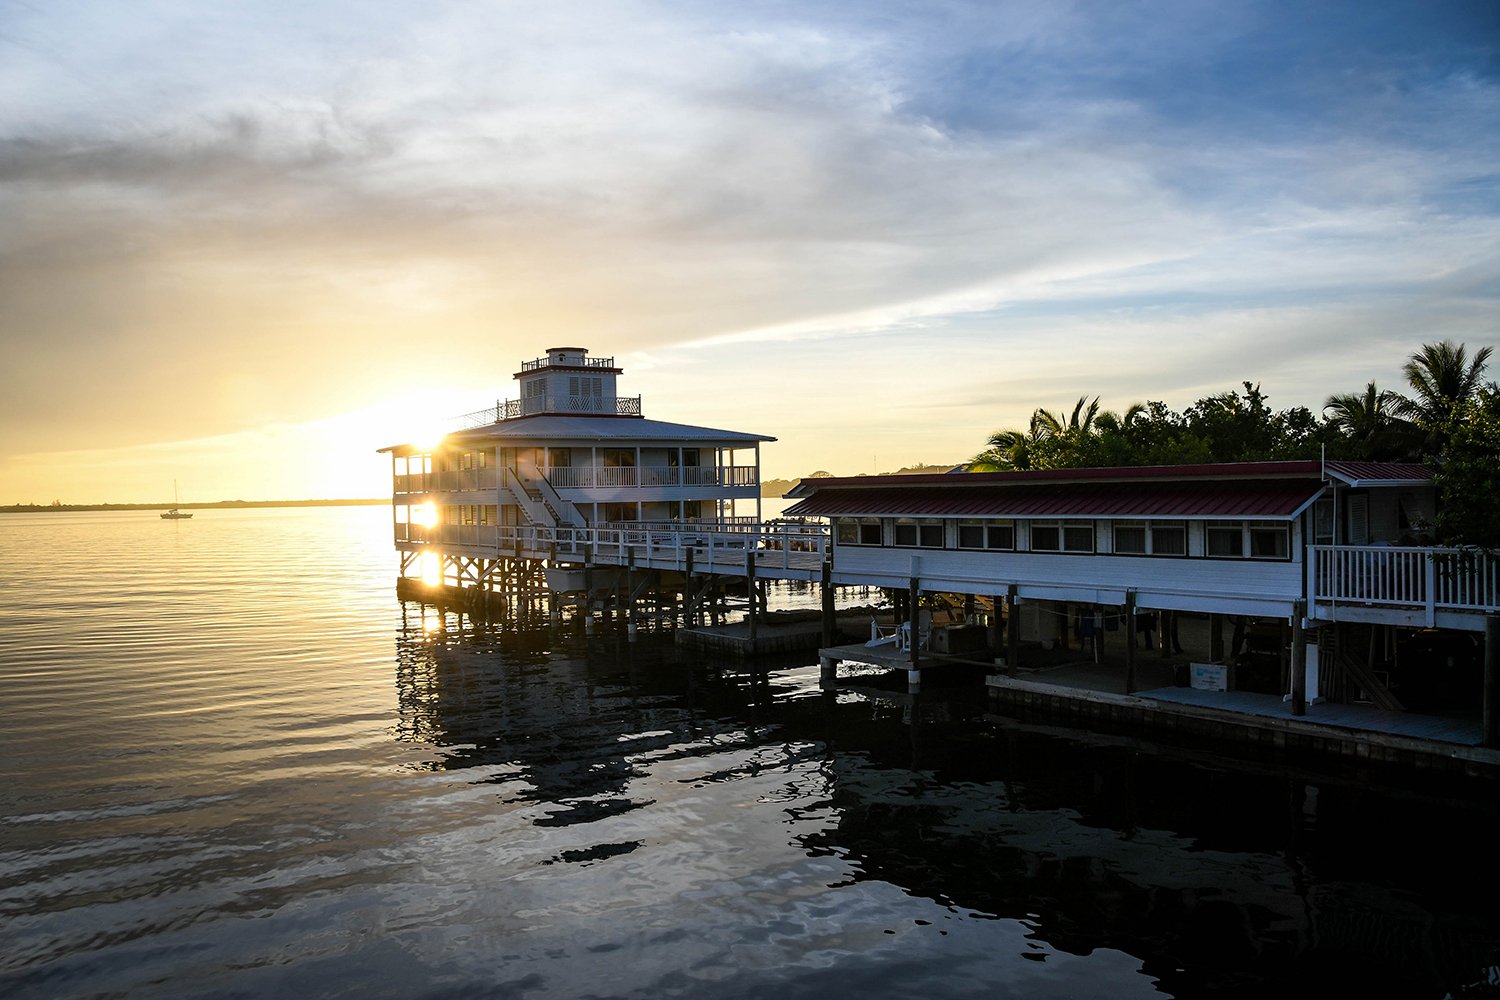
x=829 y=616
x=630 y=594
x=751 y=596
x=1216 y=638
x=1012 y=631
x=1130 y=646
x=1299 y=659
x=914 y=673
x=1491 y=681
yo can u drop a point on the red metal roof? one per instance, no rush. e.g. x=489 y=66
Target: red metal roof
x=1379 y=472
x=1128 y=473
x=1271 y=499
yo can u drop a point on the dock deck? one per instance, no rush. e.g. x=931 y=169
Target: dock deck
x=1097 y=691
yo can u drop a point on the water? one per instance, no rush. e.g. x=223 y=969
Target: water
x=234 y=765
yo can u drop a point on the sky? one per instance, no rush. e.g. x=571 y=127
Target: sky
x=243 y=245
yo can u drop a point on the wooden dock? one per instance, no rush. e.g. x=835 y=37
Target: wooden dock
x=1359 y=732
x=1094 y=694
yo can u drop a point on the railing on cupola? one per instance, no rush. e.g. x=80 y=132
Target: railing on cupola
x=510 y=409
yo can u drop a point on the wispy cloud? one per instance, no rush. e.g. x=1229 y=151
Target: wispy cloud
x=285 y=213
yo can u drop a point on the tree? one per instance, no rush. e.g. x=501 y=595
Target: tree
x=1005 y=451
x=1444 y=380
x=1367 y=422
x=1468 y=475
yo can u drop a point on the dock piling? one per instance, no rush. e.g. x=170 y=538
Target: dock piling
x=1012 y=631
x=1299 y=659
x=751 y=596
x=1491 y=735
x=1130 y=646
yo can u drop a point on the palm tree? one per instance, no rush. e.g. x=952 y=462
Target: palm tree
x=1443 y=379
x=1080 y=423
x=1368 y=420
x=1006 y=450
x=1111 y=423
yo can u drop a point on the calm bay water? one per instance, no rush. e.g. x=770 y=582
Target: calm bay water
x=234 y=765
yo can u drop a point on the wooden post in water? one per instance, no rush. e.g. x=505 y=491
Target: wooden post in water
x=1012 y=631
x=1130 y=646
x=687 y=590
x=751 y=595
x=1215 y=637
x=1299 y=659
x=1492 y=681
x=914 y=672
x=588 y=588
x=827 y=666
x=829 y=617
x=630 y=595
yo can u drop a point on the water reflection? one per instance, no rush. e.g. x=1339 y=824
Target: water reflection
x=1212 y=880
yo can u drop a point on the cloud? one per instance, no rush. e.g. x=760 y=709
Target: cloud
x=218 y=217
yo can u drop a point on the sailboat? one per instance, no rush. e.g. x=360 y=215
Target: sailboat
x=175 y=514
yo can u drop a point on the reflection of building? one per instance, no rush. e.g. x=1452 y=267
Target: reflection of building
x=1108 y=848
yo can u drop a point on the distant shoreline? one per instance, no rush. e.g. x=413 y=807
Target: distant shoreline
x=27 y=508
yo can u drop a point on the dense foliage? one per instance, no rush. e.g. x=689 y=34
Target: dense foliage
x=1450 y=419
x=1468 y=477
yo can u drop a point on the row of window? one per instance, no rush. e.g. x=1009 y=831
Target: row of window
x=1222 y=539
x=470 y=513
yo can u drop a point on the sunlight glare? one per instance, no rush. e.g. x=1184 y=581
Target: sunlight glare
x=424 y=515
x=432 y=568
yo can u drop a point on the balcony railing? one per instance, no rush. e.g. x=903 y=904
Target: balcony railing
x=584 y=477
x=452 y=481
x=1411 y=577
x=588 y=476
x=539 y=363
x=510 y=409
x=714 y=542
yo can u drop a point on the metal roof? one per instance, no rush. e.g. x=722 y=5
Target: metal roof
x=558 y=427
x=1379 y=473
x=1131 y=473
x=1212 y=499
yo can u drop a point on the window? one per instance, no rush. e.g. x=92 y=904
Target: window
x=1078 y=537
x=1130 y=538
x=1323 y=522
x=976 y=534
x=1226 y=539
x=1062 y=536
x=1268 y=540
x=911 y=533
x=1150 y=538
x=862 y=531
x=1169 y=538
x=1249 y=540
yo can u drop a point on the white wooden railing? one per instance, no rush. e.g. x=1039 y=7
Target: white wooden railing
x=585 y=477
x=775 y=543
x=1431 y=578
x=588 y=476
x=452 y=480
